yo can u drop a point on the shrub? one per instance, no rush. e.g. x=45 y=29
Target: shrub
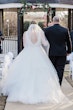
x=26 y=25
x=41 y=24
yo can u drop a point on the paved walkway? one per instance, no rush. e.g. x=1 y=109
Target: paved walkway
x=68 y=91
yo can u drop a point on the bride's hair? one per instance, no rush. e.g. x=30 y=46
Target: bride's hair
x=33 y=22
x=34 y=27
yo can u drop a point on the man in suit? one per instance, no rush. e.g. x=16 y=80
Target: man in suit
x=59 y=40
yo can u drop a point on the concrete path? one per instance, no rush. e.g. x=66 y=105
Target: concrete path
x=68 y=91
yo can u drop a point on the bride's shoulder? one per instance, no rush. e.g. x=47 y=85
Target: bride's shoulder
x=25 y=32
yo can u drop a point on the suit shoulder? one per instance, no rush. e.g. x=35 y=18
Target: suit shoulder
x=64 y=28
x=50 y=27
x=45 y=29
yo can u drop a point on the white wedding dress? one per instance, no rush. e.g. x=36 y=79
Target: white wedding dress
x=31 y=77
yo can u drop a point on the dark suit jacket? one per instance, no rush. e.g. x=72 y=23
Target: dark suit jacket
x=59 y=40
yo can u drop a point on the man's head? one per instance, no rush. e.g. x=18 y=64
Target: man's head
x=56 y=20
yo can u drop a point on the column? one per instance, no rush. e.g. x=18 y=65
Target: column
x=72 y=19
x=53 y=12
x=69 y=19
x=1 y=20
x=20 y=30
x=47 y=16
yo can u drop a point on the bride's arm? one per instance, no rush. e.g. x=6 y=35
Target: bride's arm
x=45 y=42
x=24 y=39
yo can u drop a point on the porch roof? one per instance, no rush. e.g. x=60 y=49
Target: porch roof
x=11 y=5
x=57 y=5
x=52 y=3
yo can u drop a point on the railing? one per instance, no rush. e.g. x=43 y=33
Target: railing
x=1 y=63
x=9 y=44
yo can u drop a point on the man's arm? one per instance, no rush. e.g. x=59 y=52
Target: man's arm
x=69 y=43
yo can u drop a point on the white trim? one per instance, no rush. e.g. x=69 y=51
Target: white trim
x=20 y=5
x=57 y=5
x=11 y=5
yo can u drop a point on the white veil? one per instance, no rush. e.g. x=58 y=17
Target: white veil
x=35 y=33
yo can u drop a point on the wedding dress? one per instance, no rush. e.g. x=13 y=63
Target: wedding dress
x=32 y=77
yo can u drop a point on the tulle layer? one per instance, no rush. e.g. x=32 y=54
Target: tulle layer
x=32 y=79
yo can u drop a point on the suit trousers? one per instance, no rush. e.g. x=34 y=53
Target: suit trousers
x=59 y=64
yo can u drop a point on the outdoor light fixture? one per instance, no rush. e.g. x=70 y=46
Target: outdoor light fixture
x=8 y=25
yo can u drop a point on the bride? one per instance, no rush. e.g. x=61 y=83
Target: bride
x=31 y=77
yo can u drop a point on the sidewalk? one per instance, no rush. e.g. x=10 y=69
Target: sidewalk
x=68 y=91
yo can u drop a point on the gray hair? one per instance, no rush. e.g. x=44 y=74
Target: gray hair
x=55 y=19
